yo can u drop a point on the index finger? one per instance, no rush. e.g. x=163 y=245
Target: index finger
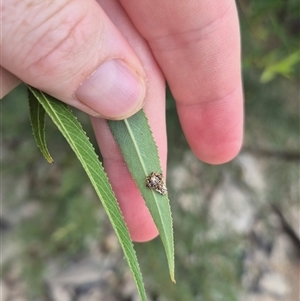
x=197 y=45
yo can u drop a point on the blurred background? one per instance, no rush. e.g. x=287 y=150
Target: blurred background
x=236 y=225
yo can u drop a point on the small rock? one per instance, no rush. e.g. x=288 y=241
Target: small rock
x=84 y=279
x=128 y=288
x=83 y=273
x=252 y=173
x=96 y=294
x=92 y=295
x=231 y=210
x=190 y=202
x=281 y=253
x=111 y=243
x=274 y=284
x=180 y=178
x=60 y=293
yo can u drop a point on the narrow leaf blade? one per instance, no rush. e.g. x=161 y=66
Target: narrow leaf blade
x=37 y=118
x=138 y=147
x=77 y=139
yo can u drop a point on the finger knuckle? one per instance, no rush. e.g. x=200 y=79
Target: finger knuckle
x=50 y=45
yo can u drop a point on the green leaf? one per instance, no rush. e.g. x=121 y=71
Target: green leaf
x=37 y=118
x=285 y=67
x=71 y=129
x=139 y=150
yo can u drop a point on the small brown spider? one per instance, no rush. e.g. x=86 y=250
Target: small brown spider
x=155 y=181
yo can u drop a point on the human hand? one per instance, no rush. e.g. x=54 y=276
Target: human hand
x=110 y=58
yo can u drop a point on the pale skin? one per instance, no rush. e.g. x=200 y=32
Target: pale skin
x=193 y=45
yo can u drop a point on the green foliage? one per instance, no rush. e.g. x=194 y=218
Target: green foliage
x=78 y=141
x=284 y=67
x=271 y=37
x=279 y=99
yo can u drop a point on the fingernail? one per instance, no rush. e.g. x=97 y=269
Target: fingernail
x=114 y=90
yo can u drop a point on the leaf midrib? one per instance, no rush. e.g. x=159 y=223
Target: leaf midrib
x=143 y=166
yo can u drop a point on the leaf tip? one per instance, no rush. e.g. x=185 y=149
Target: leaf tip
x=50 y=160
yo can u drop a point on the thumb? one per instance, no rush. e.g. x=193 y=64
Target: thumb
x=7 y=82
x=72 y=51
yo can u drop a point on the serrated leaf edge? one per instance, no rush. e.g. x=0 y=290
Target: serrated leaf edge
x=39 y=131
x=136 y=267
x=170 y=260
